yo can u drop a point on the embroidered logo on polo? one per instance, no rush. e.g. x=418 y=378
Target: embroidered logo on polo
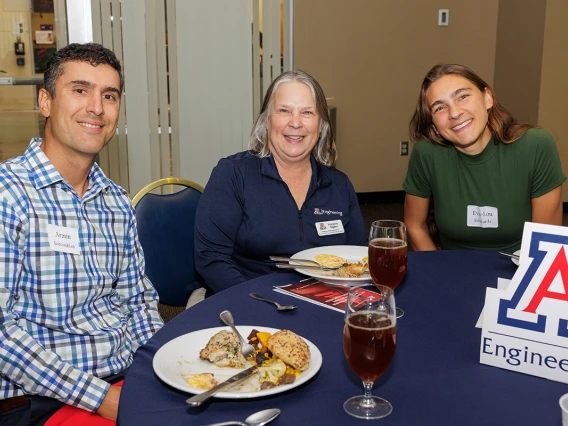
x=328 y=212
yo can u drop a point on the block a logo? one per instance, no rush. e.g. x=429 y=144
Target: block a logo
x=525 y=325
x=543 y=289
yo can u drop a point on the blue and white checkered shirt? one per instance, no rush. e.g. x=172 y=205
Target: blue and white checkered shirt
x=68 y=319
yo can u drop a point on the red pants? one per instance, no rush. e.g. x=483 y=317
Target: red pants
x=72 y=416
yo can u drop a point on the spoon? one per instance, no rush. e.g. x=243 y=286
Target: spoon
x=246 y=348
x=257 y=419
x=279 y=307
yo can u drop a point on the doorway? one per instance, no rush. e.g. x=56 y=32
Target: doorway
x=31 y=39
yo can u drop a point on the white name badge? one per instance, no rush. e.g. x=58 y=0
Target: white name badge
x=63 y=239
x=482 y=217
x=330 y=227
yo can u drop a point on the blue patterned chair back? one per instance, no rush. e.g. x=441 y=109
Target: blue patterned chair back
x=165 y=229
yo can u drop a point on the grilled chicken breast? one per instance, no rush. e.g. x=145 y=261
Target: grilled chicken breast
x=224 y=350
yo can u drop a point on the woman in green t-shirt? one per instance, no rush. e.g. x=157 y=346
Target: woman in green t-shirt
x=485 y=173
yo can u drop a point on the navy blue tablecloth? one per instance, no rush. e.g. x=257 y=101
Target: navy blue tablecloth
x=434 y=379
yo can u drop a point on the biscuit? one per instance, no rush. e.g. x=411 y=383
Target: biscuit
x=290 y=348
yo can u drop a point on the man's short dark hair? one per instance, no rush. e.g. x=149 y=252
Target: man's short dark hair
x=92 y=53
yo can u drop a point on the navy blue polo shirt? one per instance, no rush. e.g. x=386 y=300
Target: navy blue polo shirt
x=247 y=213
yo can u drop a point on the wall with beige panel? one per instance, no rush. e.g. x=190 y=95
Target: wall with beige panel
x=518 y=61
x=370 y=58
x=553 y=108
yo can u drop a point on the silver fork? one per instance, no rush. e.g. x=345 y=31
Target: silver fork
x=305 y=267
x=513 y=255
x=246 y=348
x=301 y=264
x=288 y=259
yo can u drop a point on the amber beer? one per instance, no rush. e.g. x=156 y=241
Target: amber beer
x=387 y=261
x=369 y=342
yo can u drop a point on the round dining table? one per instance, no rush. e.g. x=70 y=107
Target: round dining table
x=435 y=377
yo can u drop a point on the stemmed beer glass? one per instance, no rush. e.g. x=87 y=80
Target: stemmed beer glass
x=369 y=342
x=388 y=252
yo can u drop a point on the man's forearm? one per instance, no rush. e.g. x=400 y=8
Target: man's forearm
x=58 y=379
x=109 y=407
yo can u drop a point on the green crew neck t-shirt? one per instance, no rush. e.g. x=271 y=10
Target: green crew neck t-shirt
x=482 y=201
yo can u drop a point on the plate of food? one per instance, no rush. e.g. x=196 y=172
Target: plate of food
x=355 y=269
x=515 y=260
x=197 y=361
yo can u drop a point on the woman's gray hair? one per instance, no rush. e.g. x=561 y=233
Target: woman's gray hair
x=325 y=150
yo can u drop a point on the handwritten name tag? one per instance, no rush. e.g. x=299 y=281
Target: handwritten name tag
x=63 y=239
x=330 y=227
x=482 y=217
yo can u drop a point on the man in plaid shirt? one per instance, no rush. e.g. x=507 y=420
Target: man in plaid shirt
x=75 y=304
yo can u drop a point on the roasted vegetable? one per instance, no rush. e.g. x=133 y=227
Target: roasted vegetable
x=263 y=337
x=272 y=370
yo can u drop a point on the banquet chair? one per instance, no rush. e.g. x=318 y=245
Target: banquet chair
x=165 y=229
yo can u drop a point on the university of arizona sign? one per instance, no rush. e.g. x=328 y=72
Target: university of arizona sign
x=525 y=326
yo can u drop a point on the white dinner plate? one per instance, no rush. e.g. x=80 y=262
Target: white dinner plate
x=516 y=261
x=179 y=359
x=352 y=254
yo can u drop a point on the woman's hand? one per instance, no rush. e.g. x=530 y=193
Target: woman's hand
x=415 y=214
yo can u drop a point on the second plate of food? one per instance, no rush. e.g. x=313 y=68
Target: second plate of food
x=352 y=254
x=514 y=259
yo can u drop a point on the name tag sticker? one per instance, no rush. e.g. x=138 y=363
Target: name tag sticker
x=482 y=217
x=330 y=227
x=63 y=239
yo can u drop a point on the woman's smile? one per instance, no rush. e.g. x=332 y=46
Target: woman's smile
x=459 y=113
x=293 y=123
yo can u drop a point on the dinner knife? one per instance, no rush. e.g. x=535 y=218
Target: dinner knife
x=319 y=268
x=197 y=400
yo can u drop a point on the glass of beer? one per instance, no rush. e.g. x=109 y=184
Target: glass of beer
x=388 y=252
x=369 y=342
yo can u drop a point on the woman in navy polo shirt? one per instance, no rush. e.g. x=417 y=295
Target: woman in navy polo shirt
x=273 y=199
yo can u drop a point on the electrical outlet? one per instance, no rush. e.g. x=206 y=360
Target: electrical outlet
x=443 y=17
x=404 y=148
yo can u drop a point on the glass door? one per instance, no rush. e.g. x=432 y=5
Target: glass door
x=28 y=41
